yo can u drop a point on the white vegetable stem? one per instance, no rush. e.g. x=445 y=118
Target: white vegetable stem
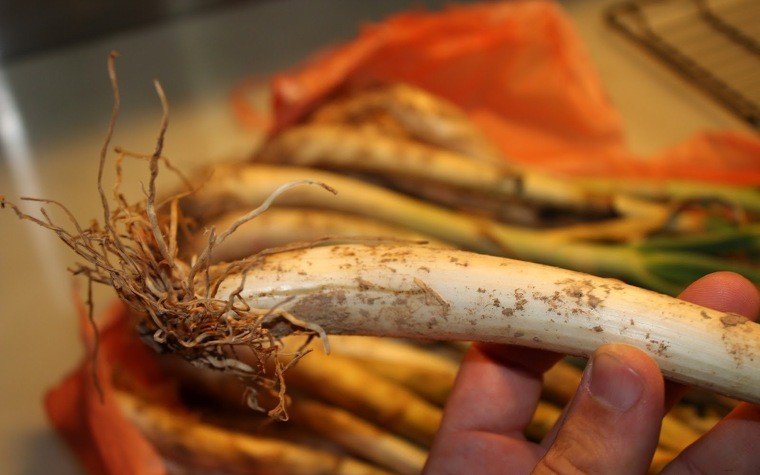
x=345 y=147
x=747 y=197
x=280 y=226
x=419 y=114
x=417 y=291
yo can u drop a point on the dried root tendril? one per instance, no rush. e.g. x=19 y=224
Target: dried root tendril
x=135 y=252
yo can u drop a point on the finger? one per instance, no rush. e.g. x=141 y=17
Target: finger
x=723 y=291
x=732 y=446
x=497 y=389
x=613 y=422
x=494 y=396
x=483 y=453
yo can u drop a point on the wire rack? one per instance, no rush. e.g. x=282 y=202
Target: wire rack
x=715 y=44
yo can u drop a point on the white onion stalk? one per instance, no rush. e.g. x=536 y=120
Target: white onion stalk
x=746 y=197
x=419 y=114
x=234 y=186
x=431 y=119
x=424 y=170
x=280 y=226
x=404 y=111
x=350 y=148
x=418 y=292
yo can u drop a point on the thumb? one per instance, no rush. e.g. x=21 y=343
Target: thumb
x=613 y=422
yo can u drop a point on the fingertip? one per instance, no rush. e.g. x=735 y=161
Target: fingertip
x=626 y=363
x=636 y=359
x=612 y=424
x=722 y=291
x=496 y=390
x=726 y=292
x=531 y=359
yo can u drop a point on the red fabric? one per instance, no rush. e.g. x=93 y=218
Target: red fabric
x=96 y=431
x=520 y=71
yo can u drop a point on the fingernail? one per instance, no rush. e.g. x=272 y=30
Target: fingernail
x=613 y=383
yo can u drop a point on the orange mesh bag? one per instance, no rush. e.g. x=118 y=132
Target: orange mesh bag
x=101 y=437
x=521 y=72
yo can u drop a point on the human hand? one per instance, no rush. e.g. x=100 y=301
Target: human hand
x=611 y=425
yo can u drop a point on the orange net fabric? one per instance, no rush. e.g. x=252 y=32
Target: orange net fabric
x=101 y=437
x=520 y=71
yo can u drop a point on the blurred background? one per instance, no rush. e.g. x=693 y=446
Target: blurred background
x=54 y=107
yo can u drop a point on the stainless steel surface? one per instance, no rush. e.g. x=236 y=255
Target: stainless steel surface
x=715 y=45
x=53 y=114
